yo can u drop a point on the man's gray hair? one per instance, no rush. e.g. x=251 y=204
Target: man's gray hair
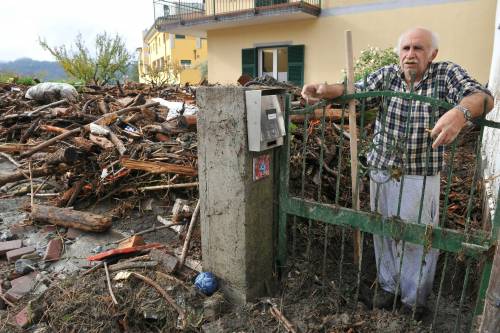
x=434 y=39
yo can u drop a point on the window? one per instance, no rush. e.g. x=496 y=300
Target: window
x=180 y=37
x=186 y=63
x=283 y=63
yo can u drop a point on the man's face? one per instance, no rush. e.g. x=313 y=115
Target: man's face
x=416 y=53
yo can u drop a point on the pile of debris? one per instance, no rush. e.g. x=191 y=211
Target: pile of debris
x=82 y=162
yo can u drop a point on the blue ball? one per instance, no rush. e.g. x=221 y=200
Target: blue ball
x=206 y=282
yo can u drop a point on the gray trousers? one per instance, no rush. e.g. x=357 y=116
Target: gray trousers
x=388 y=251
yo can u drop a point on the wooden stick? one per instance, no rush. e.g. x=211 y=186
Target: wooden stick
x=134 y=264
x=62 y=101
x=281 y=317
x=189 y=234
x=7 y=301
x=155 y=228
x=10 y=159
x=353 y=132
x=50 y=142
x=77 y=187
x=31 y=185
x=168 y=298
x=166 y=187
x=109 y=284
x=117 y=142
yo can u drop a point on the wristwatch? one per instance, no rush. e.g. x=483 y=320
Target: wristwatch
x=465 y=111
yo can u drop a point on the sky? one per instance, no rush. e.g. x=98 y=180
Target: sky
x=59 y=22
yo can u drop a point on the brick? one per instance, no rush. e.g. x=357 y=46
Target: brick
x=18 y=253
x=54 y=249
x=20 y=287
x=169 y=262
x=10 y=245
x=23 y=318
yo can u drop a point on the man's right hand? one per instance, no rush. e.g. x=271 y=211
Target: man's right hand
x=312 y=93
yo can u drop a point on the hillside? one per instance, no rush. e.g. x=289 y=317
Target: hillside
x=44 y=70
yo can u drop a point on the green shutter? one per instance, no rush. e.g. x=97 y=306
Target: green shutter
x=296 y=64
x=249 y=62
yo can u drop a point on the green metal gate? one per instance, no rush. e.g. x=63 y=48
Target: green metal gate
x=472 y=245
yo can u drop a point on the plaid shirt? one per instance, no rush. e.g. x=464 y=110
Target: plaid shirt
x=396 y=147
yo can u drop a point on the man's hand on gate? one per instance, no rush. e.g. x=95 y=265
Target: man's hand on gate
x=311 y=93
x=447 y=128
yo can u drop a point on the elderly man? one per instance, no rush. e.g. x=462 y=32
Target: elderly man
x=417 y=48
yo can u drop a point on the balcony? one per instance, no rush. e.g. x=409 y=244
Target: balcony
x=196 y=17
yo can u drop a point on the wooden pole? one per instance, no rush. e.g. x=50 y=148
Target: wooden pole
x=354 y=139
x=189 y=233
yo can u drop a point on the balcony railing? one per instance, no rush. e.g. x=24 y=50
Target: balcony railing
x=191 y=12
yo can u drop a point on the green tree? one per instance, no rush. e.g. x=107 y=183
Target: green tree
x=111 y=58
x=372 y=59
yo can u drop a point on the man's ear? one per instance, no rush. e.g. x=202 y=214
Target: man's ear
x=434 y=54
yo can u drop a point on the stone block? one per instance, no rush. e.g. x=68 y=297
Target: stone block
x=13 y=255
x=10 y=245
x=168 y=261
x=54 y=249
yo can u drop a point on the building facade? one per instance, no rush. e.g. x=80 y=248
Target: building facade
x=172 y=58
x=303 y=40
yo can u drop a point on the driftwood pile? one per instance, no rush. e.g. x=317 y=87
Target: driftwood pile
x=110 y=142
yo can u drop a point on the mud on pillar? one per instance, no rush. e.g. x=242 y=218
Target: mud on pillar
x=236 y=211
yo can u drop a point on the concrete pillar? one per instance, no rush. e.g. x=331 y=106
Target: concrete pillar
x=236 y=212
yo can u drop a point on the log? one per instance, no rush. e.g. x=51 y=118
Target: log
x=38 y=172
x=70 y=218
x=158 y=167
x=68 y=155
x=15 y=147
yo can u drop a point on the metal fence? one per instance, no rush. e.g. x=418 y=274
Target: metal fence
x=306 y=201
x=171 y=11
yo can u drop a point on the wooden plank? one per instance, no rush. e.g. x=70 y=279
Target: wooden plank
x=158 y=167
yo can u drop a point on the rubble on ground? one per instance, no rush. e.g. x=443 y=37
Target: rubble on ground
x=107 y=186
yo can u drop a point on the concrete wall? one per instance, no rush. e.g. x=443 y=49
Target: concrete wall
x=491 y=147
x=464 y=28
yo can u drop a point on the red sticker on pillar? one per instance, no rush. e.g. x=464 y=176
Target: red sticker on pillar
x=261 y=166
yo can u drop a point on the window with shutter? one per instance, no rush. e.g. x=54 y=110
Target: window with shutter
x=296 y=64
x=249 y=61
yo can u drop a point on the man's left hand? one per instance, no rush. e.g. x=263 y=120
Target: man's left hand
x=447 y=127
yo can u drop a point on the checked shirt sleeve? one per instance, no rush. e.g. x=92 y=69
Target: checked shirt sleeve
x=374 y=81
x=460 y=84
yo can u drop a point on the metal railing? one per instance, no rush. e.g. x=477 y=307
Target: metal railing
x=463 y=243
x=181 y=11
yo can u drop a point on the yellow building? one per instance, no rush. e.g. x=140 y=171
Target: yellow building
x=172 y=58
x=303 y=40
